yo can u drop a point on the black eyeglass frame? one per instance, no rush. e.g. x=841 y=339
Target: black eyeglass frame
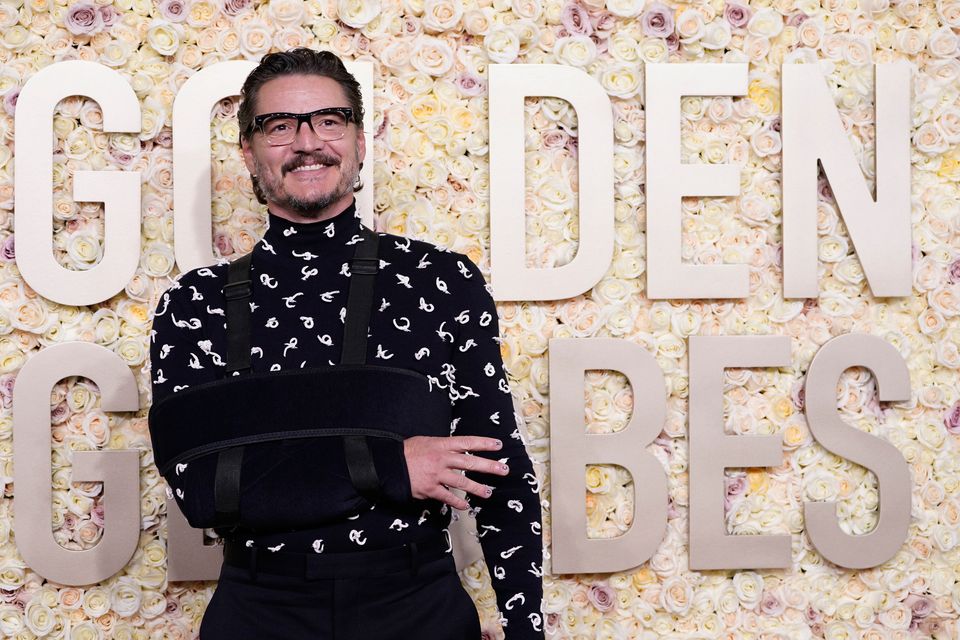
x=302 y=118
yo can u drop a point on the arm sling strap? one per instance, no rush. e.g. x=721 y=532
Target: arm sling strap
x=356 y=448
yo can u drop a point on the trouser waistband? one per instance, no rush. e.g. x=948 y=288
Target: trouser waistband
x=318 y=566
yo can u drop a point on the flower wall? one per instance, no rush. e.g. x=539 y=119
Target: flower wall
x=432 y=183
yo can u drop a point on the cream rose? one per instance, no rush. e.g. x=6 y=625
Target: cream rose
x=502 y=45
x=577 y=51
x=164 y=37
x=357 y=13
x=432 y=56
x=441 y=15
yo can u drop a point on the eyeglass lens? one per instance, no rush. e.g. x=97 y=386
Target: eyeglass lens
x=326 y=126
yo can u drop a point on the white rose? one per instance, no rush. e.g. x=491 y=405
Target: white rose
x=441 y=15
x=84 y=249
x=157 y=259
x=716 y=35
x=502 y=45
x=164 y=37
x=96 y=601
x=625 y=8
x=477 y=22
x=690 y=25
x=620 y=81
x=358 y=13
x=577 y=51
x=942 y=43
x=857 y=52
x=928 y=139
x=255 y=39
x=766 y=142
x=286 y=12
x=765 y=23
x=432 y=56
x=654 y=50
x=125 y=596
x=749 y=588
x=949 y=12
x=40 y=618
x=909 y=41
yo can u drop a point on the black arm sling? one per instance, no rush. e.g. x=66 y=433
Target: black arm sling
x=242 y=409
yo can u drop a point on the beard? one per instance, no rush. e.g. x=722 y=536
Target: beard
x=315 y=206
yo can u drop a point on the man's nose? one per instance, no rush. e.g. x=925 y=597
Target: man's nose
x=305 y=137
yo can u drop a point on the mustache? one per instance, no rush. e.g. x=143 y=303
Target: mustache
x=316 y=158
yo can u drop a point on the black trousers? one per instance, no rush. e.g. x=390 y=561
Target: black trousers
x=366 y=595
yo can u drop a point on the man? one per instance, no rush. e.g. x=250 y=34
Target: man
x=310 y=555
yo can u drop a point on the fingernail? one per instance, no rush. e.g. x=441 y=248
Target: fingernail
x=489 y=491
x=505 y=468
x=499 y=444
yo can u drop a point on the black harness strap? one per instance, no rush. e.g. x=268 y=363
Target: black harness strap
x=359 y=459
x=226 y=487
x=236 y=291
x=363 y=273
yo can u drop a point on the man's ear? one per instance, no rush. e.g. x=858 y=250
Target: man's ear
x=247 y=155
x=361 y=145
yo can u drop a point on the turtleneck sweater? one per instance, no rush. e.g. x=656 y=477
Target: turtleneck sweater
x=432 y=313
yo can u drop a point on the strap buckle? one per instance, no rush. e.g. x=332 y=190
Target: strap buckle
x=235 y=290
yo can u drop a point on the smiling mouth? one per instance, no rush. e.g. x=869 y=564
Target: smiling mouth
x=309 y=167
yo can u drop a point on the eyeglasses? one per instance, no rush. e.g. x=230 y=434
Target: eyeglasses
x=281 y=128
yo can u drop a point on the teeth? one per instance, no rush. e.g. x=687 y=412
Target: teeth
x=310 y=167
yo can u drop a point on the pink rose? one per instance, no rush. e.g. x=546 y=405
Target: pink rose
x=920 y=606
x=797 y=395
x=6 y=251
x=657 y=21
x=173 y=10
x=796 y=19
x=59 y=413
x=603 y=23
x=771 y=605
x=952 y=419
x=737 y=14
x=109 y=15
x=954 y=272
x=602 y=597
x=469 y=84
x=235 y=7
x=83 y=18
x=10 y=100
x=8 y=379
x=222 y=241
x=575 y=20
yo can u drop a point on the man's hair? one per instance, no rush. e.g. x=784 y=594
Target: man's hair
x=300 y=61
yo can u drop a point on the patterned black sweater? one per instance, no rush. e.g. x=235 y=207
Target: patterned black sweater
x=432 y=313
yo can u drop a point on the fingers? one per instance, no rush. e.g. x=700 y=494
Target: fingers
x=477 y=464
x=444 y=495
x=459 y=481
x=473 y=443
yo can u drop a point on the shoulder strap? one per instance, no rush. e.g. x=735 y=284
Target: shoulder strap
x=237 y=291
x=363 y=273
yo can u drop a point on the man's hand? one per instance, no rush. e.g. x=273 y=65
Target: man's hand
x=434 y=465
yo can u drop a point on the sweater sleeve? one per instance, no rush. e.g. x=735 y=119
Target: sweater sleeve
x=284 y=486
x=509 y=521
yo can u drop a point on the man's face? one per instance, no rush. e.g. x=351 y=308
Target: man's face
x=304 y=195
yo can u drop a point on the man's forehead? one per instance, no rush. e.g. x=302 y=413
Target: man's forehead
x=302 y=91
